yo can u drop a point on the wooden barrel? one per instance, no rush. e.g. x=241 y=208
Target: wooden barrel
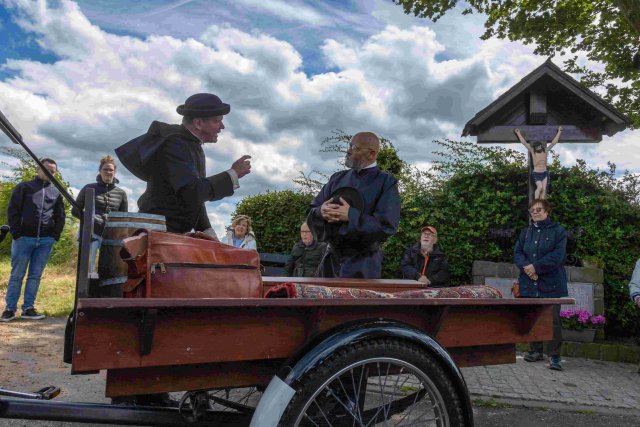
x=112 y=271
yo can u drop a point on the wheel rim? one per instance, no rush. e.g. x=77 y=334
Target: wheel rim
x=379 y=391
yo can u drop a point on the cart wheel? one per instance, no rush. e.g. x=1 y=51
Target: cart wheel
x=378 y=382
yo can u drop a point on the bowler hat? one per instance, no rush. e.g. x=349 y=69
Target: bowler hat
x=203 y=105
x=351 y=195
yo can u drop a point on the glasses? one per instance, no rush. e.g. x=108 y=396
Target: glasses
x=355 y=147
x=536 y=210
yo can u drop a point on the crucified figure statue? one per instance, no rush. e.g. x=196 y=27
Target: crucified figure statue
x=539 y=151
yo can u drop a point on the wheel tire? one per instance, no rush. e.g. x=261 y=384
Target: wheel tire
x=339 y=369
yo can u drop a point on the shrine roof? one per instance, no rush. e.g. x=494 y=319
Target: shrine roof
x=549 y=74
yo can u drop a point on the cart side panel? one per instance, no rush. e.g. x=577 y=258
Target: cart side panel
x=115 y=338
x=159 y=379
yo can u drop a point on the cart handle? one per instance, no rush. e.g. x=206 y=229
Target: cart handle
x=16 y=138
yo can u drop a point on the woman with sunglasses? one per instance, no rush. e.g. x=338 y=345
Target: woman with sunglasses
x=540 y=254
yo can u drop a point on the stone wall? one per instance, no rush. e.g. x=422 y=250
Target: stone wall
x=585 y=284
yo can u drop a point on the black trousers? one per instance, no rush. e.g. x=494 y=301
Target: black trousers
x=553 y=346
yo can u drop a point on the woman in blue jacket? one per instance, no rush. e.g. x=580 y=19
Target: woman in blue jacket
x=540 y=254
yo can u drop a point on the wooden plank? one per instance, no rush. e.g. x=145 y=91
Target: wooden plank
x=109 y=339
x=86 y=230
x=116 y=304
x=505 y=134
x=537 y=108
x=472 y=326
x=483 y=355
x=128 y=382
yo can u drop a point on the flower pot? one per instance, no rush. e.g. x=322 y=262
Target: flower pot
x=585 y=335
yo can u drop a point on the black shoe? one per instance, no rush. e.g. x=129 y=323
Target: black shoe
x=32 y=314
x=554 y=363
x=8 y=316
x=533 y=356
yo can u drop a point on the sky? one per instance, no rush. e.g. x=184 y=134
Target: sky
x=80 y=78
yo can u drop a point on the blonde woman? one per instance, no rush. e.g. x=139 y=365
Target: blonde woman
x=240 y=234
x=108 y=198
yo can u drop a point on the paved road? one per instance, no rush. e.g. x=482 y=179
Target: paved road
x=587 y=393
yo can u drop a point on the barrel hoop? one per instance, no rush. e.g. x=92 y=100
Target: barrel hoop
x=158 y=227
x=113 y=281
x=109 y=242
x=136 y=215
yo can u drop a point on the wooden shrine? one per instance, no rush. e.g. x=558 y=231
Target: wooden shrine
x=543 y=100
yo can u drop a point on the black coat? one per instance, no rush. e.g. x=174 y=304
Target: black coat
x=437 y=270
x=36 y=209
x=357 y=244
x=108 y=198
x=543 y=244
x=171 y=160
x=304 y=260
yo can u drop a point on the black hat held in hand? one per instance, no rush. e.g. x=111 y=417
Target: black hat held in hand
x=352 y=196
x=203 y=105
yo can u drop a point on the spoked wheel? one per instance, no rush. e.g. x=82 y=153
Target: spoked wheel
x=242 y=400
x=376 y=383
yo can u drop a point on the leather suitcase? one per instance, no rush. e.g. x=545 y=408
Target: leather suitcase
x=168 y=265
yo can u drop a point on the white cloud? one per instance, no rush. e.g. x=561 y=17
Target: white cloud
x=288 y=11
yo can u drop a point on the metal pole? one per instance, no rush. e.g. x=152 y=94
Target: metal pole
x=16 y=138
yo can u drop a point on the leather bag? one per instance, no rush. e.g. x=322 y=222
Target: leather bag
x=169 y=265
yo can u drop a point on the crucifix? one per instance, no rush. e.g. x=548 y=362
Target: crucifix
x=546 y=107
x=538 y=158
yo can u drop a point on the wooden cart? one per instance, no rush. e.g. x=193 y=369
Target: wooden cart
x=327 y=362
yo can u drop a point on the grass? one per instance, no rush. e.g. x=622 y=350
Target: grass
x=56 y=292
x=489 y=403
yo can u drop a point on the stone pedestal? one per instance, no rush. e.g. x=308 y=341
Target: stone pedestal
x=585 y=284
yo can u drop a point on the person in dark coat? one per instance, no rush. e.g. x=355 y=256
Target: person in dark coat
x=108 y=198
x=36 y=219
x=170 y=159
x=540 y=254
x=425 y=262
x=354 y=233
x=305 y=255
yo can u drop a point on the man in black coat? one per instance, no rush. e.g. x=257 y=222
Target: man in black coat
x=305 y=255
x=425 y=262
x=170 y=159
x=36 y=219
x=355 y=229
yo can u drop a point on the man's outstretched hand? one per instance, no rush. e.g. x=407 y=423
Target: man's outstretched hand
x=242 y=166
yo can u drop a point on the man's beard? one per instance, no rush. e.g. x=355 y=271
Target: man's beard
x=351 y=163
x=426 y=247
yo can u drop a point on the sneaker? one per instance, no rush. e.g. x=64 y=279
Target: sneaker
x=32 y=314
x=533 y=356
x=8 y=316
x=554 y=363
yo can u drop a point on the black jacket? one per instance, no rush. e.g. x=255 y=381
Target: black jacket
x=437 y=268
x=543 y=244
x=171 y=160
x=304 y=261
x=36 y=209
x=108 y=198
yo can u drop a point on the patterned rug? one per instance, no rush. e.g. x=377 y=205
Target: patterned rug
x=296 y=290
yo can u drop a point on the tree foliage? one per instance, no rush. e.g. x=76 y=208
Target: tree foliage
x=608 y=31
x=24 y=170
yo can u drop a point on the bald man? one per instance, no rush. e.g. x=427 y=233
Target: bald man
x=354 y=234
